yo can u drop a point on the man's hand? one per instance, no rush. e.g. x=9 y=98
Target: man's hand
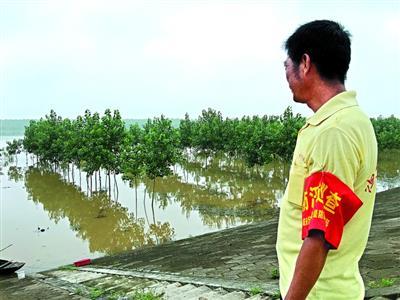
x=309 y=265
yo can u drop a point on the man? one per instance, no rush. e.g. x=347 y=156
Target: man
x=326 y=211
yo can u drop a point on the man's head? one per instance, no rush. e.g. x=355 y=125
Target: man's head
x=318 y=53
x=327 y=44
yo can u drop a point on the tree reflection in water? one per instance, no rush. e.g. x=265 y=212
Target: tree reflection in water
x=225 y=193
x=15 y=173
x=105 y=224
x=389 y=169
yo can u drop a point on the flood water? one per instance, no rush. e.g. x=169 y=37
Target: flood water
x=51 y=219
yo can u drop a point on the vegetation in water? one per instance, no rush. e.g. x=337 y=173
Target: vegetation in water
x=123 y=231
x=387 y=132
x=92 y=142
x=98 y=144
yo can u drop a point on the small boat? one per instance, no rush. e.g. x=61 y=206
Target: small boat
x=8 y=267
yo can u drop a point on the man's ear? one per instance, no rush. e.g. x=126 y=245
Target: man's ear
x=306 y=63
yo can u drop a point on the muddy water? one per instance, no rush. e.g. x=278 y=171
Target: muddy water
x=52 y=219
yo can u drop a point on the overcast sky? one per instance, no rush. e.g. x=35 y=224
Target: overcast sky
x=148 y=58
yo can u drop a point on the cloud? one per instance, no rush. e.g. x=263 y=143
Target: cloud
x=392 y=29
x=78 y=33
x=203 y=37
x=173 y=54
x=52 y=31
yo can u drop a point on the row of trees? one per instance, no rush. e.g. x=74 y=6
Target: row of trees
x=92 y=142
x=256 y=140
x=387 y=132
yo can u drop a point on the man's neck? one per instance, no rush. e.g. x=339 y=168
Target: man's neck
x=322 y=93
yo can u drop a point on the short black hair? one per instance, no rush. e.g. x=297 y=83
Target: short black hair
x=328 y=45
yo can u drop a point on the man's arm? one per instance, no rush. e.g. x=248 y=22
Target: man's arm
x=309 y=265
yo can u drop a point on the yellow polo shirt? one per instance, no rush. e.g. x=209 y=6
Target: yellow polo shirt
x=337 y=140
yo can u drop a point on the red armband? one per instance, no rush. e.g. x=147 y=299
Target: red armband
x=328 y=204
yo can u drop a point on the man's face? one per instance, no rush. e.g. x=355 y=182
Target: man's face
x=294 y=79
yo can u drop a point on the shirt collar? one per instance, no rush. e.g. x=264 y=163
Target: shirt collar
x=333 y=105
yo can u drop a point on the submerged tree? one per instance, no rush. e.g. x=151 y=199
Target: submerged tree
x=209 y=132
x=387 y=132
x=160 y=149
x=112 y=136
x=94 y=144
x=186 y=132
x=132 y=161
x=14 y=148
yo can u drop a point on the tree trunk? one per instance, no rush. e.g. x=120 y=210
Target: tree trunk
x=73 y=174
x=87 y=184
x=105 y=181
x=152 y=210
x=109 y=183
x=95 y=180
x=144 y=206
x=152 y=201
x=91 y=184
x=284 y=178
x=100 y=178
x=136 y=211
x=116 y=187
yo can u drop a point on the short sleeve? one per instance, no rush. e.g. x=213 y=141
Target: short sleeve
x=334 y=152
x=329 y=201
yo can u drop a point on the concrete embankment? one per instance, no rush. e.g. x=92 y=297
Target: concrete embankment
x=237 y=263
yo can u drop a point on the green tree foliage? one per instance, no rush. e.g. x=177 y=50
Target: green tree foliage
x=91 y=151
x=160 y=147
x=259 y=138
x=92 y=142
x=75 y=140
x=112 y=132
x=256 y=140
x=285 y=141
x=186 y=132
x=132 y=156
x=31 y=137
x=387 y=132
x=209 y=132
x=233 y=134
x=45 y=138
x=252 y=134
